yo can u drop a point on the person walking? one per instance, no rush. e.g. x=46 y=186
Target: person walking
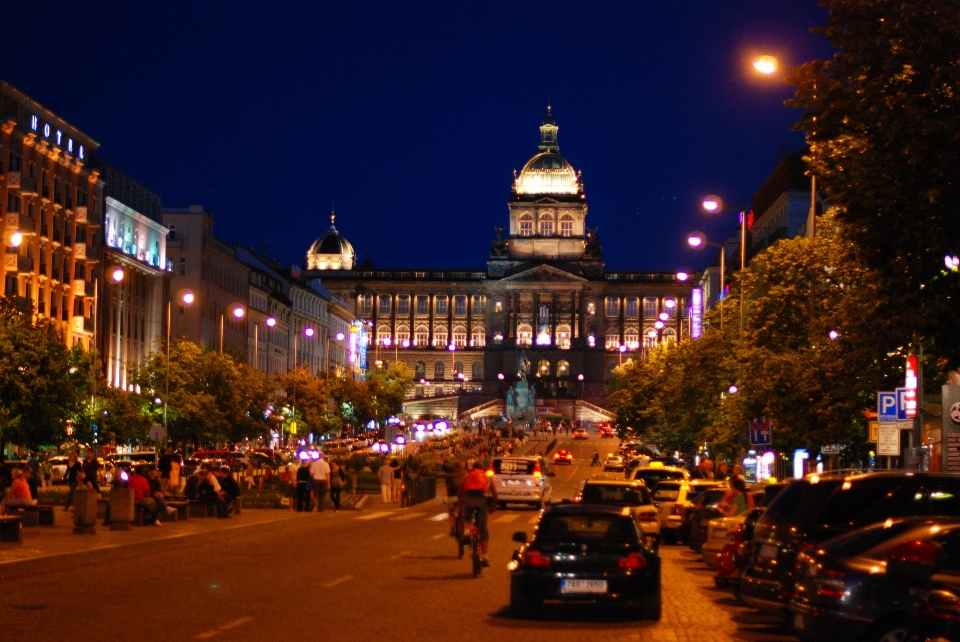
x=70 y=476
x=337 y=481
x=736 y=501
x=397 y=481
x=91 y=469
x=596 y=459
x=385 y=475
x=302 y=488
x=320 y=472
x=46 y=472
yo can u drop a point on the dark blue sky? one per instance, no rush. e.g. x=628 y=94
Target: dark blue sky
x=411 y=116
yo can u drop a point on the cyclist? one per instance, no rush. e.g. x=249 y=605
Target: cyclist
x=475 y=492
x=454 y=480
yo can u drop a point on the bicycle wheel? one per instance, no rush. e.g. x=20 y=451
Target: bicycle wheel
x=458 y=531
x=475 y=554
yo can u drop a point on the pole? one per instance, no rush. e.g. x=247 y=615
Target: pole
x=221 y=333
x=743 y=262
x=166 y=386
x=256 y=345
x=723 y=278
x=119 y=330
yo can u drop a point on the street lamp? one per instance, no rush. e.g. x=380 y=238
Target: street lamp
x=714 y=204
x=237 y=312
x=116 y=275
x=326 y=353
x=269 y=322
x=698 y=241
x=621 y=349
x=185 y=297
x=765 y=65
x=453 y=359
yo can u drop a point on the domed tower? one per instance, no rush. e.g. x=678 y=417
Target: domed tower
x=331 y=251
x=548 y=208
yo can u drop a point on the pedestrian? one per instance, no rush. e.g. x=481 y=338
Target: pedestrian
x=320 y=472
x=173 y=482
x=385 y=475
x=46 y=472
x=31 y=481
x=302 y=488
x=736 y=501
x=164 y=466
x=34 y=465
x=596 y=459
x=70 y=476
x=91 y=469
x=248 y=474
x=397 y=481
x=723 y=471
x=337 y=481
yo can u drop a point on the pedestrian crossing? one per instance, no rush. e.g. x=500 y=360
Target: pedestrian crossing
x=393 y=516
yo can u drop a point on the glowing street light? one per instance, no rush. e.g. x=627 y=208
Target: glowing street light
x=116 y=275
x=952 y=262
x=733 y=389
x=16 y=239
x=237 y=311
x=766 y=65
x=834 y=335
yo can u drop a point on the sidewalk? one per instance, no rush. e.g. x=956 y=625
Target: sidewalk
x=50 y=547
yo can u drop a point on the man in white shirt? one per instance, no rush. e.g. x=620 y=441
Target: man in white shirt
x=320 y=472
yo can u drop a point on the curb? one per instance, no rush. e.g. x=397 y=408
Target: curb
x=56 y=561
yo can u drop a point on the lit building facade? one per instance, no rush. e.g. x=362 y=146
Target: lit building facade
x=545 y=293
x=51 y=202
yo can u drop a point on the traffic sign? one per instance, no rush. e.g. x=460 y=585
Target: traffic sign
x=888 y=442
x=157 y=433
x=874 y=430
x=760 y=433
x=887 y=407
x=832 y=449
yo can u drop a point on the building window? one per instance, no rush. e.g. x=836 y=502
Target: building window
x=670 y=335
x=497 y=339
x=563 y=336
x=366 y=304
x=440 y=337
x=631 y=337
x=563 y=368
x=383 y=335
x=479 y=337
x=423 y=304
x=498 y=306
x=438 y=370
x=460 y=305
x=384 y=307
x=441 y=304
x=632 y=306
x=649 y=338
x=546 y=227
x=526 y=225
x=543 y=368
x=460 y=336
x=403 y=336
x=420 y=370
x=613 y=306
x=183 y=267
x=566 y=226
x=670 y=307
x=421 y=338
x=457 y=369
x=479 y=305
x=649 y=307
x=613 y=339
x=524 y=335
x=591 y=307
x=477 y=368
x=403 y=304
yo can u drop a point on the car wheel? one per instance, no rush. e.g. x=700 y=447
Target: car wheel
x=651 y=608
x=521 y=604
x=891 y=630
x=539 y=505
x=502 y=505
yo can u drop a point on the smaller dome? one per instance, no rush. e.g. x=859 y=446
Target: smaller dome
x=331 y=251
x=548 y=173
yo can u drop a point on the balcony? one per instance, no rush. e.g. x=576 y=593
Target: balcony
x=21 y=222
x=17 y=263
x=81 y=214
x=82 y=287
x=80 y=251
x=20 y=183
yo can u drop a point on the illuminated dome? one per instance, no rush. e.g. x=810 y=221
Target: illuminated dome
x=548 y=172
x=331 y=251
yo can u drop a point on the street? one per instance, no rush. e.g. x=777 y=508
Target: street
x=378 y=573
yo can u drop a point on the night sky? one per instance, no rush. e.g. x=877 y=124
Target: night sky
x=410 y=117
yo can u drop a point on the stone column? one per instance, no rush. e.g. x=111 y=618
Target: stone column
x=121 y=509
x=85 y=511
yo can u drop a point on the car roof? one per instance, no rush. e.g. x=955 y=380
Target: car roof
x=523 y=458
x=633 y=483
x=583 y=509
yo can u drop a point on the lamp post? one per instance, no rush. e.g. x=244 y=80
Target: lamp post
x=621 y=349
x=714 y=204
x=453 y=359
x=237 y=312
x=580 y=381
x=268 y=323
x=185 y=297
x=307 y=332
x=698 y=241
x=116 y=275
x=326 y=352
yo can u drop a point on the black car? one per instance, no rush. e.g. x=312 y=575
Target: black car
x=704 y=508
x=844 y=592
x=815 y=509
x=585 y=552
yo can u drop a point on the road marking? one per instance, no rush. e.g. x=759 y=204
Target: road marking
x=439 y=516
x=235 y=623
x=406 y=517
x=376 y=515
x=400 y=554
x=207 y=635
x=339 y=580
x=503 y=519
x=440 y=535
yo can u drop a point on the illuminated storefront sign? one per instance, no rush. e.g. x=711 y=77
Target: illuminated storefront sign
x=132 y=233
x=696 y=313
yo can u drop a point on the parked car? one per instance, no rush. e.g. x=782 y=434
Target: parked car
x=607 y=432
x=700 y=512
x=613 y=463
x=710 y=538
x=521 y=480
x=843 y=589
x=814 y=509
x=609 y=490
x=654 y=474
x=584 y=552
x=673 y=498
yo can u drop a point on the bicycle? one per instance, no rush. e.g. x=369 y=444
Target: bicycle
x=472 y=540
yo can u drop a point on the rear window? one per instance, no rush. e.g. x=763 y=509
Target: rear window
x=587 y=528
x=615 y=495
x=514 y=466
x=652 y=477
x=666 y=492
x=799 y=503
x=710 y=497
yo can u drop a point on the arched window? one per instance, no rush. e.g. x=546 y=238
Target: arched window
x=566 y=225
x=613 y=339
x=440 y=336
x=631 y=337
x=670 y=335
x=438 y=370
x=383 y=335
x=477 y=370
x=460 y=336
x=543 y=368
x=478 y=338
x=563 y=368
x=421 y=371
x=403 y=335
x=649 y=338
x=457 y=369
x=422 y=337
x=524 y=335
x=546 y=225
x=563 y=336
x=526 y=225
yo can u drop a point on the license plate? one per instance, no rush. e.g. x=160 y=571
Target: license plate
x=583 y=586
x=769 y=551
x=798 y=622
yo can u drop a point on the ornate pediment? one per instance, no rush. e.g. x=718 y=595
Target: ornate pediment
x=544 y=274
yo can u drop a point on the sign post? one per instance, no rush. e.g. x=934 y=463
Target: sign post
x=760 y=433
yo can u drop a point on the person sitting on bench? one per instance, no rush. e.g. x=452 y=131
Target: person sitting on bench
x=209 y=492
x=18 y=494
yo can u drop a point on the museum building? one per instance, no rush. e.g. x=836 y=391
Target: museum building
x=544 y=293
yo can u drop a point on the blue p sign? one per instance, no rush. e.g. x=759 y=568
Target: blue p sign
x=887 y=407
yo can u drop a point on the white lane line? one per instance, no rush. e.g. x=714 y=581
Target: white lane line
x=339 y=580
x=207 y=635
x=235 y=623
x=439 y=516
x=376 y=515
x=400 y=554
x=440 y=535
x=503 y=519
x=403 y=518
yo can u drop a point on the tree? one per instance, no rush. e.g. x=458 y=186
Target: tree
x=307 y=394
x=882 y=120
x=387 y=388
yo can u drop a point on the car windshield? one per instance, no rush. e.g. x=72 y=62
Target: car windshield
x=586 y=528
x=667 y=492
x=654 y=475
x=616 y=495
x=514 y=466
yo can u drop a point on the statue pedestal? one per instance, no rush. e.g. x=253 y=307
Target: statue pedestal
x=524 y=404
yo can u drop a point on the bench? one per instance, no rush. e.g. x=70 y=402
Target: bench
x=183 y=510
x=36 y=515
x=198 y=510
x=10 y=529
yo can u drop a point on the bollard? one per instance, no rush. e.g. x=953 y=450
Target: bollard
x=121 y=509
x=85 y=511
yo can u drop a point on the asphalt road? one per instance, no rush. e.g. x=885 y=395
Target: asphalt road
x=382 y=573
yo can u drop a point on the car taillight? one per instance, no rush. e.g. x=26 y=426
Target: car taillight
x=735 y=536
x=633 y=561
x=832 y=584
x=569 y=456
x=647 y=517
x=535 y=559
x=920 y=552
x=676 y=509
x=489 y=472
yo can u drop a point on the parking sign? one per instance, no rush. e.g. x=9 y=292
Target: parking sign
x=887 y=407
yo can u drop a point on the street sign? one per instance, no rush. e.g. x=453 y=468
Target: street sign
x=832 y=449
x=874 y=431
x=888 y=441
x=887 y=407
x=760 y=433
x=157 y=433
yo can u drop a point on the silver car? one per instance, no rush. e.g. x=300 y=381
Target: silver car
x=521 y=480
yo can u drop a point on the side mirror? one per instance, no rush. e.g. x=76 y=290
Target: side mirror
x=913 y=563
x=520 y=537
